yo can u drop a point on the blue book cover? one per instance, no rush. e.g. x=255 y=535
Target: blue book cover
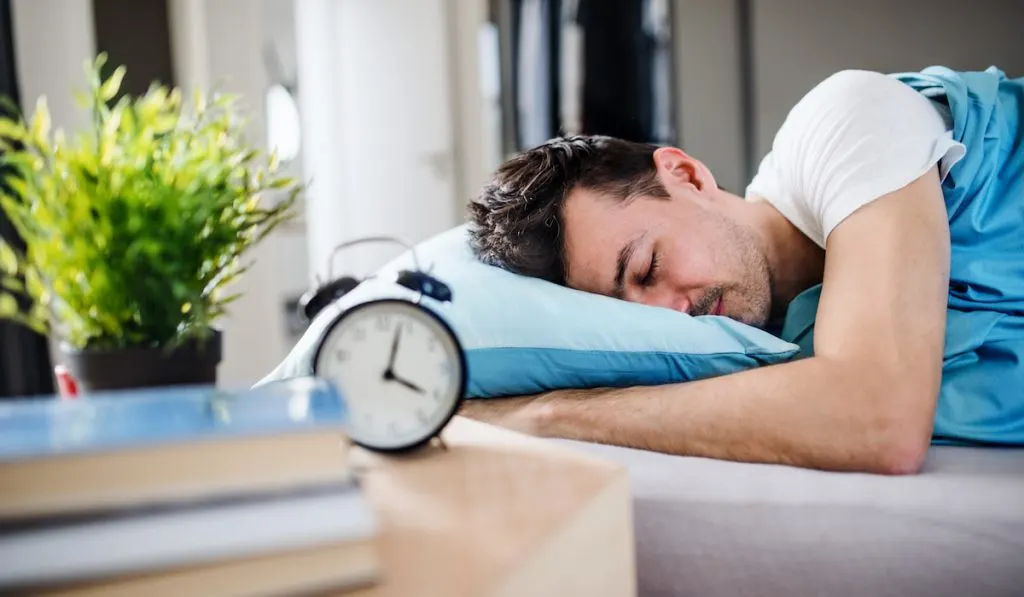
x=40 y=428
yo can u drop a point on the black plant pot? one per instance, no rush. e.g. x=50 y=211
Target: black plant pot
x=192 y=363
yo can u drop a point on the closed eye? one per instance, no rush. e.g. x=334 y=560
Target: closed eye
x=650 y=276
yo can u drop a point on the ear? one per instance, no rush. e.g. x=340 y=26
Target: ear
x=676 y=165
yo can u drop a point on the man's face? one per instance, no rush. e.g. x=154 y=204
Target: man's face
x=683 y=252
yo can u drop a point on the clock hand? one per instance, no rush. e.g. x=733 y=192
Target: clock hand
x=408 y=384
x=389 y=373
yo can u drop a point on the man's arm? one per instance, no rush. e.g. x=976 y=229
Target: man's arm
x=866 y=399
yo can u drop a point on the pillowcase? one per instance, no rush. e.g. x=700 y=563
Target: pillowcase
x=524 y=335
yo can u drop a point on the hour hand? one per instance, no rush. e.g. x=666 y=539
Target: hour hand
x=409 y=384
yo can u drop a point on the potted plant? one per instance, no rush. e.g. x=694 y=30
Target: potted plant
x=134 y=229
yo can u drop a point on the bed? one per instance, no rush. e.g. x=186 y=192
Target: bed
x=707 y=527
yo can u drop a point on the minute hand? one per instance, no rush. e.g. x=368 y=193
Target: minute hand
x=389 y=372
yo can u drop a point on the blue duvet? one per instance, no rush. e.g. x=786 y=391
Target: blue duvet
x=982 y=395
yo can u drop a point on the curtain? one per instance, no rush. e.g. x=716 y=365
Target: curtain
x=592 y=67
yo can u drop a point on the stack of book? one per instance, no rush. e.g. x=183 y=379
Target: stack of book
x=183 y=491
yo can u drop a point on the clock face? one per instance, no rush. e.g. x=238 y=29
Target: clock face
x=399 y=368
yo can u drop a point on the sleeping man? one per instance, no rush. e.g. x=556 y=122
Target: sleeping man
x=898 y=198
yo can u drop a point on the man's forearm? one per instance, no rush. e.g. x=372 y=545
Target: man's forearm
x=834 y=419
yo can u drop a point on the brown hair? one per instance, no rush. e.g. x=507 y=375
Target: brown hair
x=516 y=221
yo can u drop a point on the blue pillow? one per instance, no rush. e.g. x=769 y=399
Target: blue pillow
x=523 y=335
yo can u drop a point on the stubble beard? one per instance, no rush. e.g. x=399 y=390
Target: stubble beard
x=756 y=287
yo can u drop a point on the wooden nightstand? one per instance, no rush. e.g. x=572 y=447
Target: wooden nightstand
x=499 y=513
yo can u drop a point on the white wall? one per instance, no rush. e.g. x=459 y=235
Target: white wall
x=476 y=103
x=52 y=41
x=189 y=47
x=708 y=87
x=291 y=251
x=799 y=42
x=380 y=100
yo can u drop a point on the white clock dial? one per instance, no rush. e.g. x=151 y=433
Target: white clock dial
x=399 y=370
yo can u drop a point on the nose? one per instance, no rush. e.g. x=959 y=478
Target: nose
x=660 y=296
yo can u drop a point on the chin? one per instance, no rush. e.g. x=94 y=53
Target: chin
x=748 y=321
x=752 y=319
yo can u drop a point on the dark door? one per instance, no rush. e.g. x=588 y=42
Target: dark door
x=25 y=367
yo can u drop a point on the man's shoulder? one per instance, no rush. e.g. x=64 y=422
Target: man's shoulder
x=846 y=92
x=860 y=108
x=851 y=79
x=855 y=136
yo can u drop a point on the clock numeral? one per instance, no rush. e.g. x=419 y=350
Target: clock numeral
x=446 y=370
x=383 y=322
x=431 y=345
x=359 y=334
x=341 y=355
x=392 y=429
x=437 y=394
x=422 y=416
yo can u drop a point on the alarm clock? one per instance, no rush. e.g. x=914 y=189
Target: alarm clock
x=400 y=368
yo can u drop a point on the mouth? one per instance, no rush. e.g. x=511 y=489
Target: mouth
x=718 y=309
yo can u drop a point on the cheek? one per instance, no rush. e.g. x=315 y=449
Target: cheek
x=694 y=263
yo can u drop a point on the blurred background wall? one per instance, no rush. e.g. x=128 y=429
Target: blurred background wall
x=397 y=110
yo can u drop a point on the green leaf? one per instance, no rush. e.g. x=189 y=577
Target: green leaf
x=225 y=100
x=8 y=306
x=41 y=120
x=93 y=68
x=112 y=85
x=33 y=285
x=8 y=259
x=281 y=183
x=198 y=100
x=81 y=98
x=174 y=100
x=39 y=313
x=11 y=129
x=229 y=299
x=10 y=106
x=112 y=124
x=12 y=284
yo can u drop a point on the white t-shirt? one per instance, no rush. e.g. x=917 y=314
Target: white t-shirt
x=855 y=137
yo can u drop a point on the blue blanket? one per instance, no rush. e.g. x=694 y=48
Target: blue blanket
x=982 y=394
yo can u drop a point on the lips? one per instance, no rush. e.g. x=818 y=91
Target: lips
x=718 y=308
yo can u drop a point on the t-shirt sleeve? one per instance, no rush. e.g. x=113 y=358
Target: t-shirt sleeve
x=855 y=137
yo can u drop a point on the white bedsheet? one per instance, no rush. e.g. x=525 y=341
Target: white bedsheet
x=707 y=527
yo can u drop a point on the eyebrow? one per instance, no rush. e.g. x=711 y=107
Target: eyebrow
x=625 y=254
